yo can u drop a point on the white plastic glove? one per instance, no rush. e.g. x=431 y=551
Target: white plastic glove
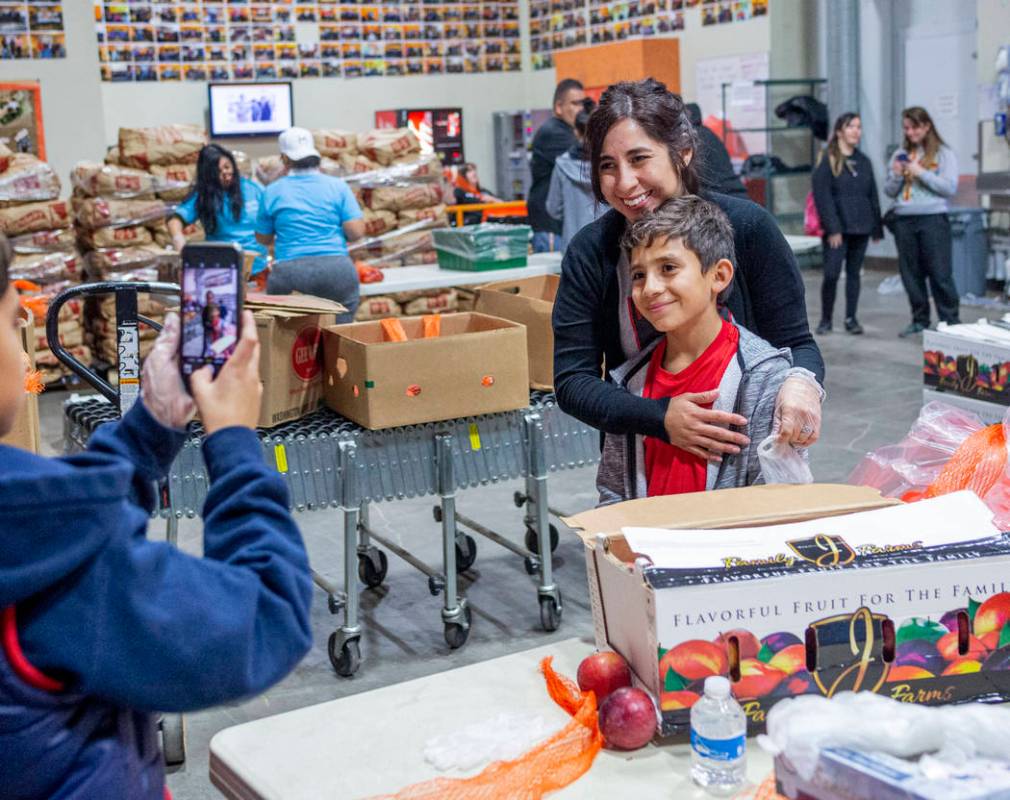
x=161 y=388
x=798 y=411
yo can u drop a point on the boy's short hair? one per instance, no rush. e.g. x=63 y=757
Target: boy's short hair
x=700 y=224
x=6 y=256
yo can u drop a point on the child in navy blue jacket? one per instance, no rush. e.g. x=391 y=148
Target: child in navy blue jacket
x=99 y=627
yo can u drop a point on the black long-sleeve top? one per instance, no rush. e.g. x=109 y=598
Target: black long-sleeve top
x=848 y=202
x=554 y=138
x=767 y=298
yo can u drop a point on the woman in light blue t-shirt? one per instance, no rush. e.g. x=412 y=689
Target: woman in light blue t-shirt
x=225 y=204
x=308 y=218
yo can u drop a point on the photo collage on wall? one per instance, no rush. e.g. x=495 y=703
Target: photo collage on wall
x=241 y=40
x=565 y=24
x=32 y=30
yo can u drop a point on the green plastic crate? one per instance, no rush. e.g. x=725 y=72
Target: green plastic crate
x=478 y=248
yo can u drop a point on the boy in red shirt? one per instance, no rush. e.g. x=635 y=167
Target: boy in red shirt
x=681 y=264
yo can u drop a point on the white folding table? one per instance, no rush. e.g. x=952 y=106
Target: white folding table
x=431 y=276
x=373 y=742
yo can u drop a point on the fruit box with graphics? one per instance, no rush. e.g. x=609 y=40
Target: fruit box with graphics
x=290 y=329
x=968 y=366
x=791 y=590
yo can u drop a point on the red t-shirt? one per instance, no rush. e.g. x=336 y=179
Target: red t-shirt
x=668 y=469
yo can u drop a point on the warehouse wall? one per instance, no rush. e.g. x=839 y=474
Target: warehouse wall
x=71 y=93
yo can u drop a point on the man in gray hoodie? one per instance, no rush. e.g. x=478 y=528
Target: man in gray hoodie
x=570 y=198
x=680 y=260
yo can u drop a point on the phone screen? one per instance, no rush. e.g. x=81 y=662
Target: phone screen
x=902 y=157
x=211 y=308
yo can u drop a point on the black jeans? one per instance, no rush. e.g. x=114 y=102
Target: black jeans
x=850 y=253
x=924 y=253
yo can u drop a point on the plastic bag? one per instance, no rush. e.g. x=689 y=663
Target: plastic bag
x=799 y=728
x=783 y=463
x=811 y=218
x=891 y=285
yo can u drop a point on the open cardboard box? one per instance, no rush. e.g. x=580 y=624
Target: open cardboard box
x=813 y=614
x=25 y=432
x=968 y=366
x=530 y=302
x=477 y=365
x=290 y=329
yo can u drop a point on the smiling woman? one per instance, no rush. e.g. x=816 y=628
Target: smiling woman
x=642 y=145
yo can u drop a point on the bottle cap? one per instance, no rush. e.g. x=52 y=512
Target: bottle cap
x=717 y=686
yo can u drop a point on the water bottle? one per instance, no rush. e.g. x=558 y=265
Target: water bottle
x=718 y=738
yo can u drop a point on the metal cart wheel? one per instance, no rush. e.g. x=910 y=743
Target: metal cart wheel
x=532 y=541
x=372 y=567
x=456 y=634
x=466 y=551
x=550 y=613
x=173 y=739
x=345 y=659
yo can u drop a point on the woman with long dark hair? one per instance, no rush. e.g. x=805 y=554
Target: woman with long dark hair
x=641 y=150
x=921 y=178
x=845 y=194
x=225 y=203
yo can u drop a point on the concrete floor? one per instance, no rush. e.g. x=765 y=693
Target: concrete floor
x=874 y=387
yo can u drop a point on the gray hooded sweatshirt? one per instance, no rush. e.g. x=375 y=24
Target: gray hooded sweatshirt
x=570 y=197
x=748 y=387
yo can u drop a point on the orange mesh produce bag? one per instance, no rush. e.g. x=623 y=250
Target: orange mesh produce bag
x=551 y=765
x=977 y=464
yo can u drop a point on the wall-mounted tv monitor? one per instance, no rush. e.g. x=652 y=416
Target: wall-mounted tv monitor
x=440 y=130
x=250 y=109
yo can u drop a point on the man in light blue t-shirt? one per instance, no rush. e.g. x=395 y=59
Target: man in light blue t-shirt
x=308 y=218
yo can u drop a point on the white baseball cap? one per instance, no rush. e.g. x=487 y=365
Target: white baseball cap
x=296 y=144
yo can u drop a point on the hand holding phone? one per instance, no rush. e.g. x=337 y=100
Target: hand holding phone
x=232 y=399
x=902 y=157
x=211 y=307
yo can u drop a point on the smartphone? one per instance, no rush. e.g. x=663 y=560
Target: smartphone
x=211 y=307
x=902 y=157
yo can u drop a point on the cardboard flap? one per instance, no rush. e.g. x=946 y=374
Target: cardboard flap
x=729 y=508
x=291 y=304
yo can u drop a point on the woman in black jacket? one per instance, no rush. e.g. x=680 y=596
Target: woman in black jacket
x=846 y=198
x=641 y=146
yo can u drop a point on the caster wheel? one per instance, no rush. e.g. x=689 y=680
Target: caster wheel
x=436 y=512
x=531 y=566
x=372 y=568
x=532 y=541
x=466 y=552
x=347 y=660
x=456 y=634
x=550 y=614
x=173 y=739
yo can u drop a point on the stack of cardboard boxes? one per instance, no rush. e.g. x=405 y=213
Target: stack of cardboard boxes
x=39 y=227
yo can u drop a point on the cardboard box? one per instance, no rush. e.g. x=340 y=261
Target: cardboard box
x=26 y=432
x=858 y=599
x=530 y=302
x=476 y=366
x=968 y=366
x=291 y=361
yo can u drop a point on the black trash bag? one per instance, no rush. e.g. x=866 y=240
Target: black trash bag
x=804 y=111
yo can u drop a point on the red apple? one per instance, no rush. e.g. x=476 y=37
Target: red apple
x=791 y=659
x=756 y=679
x=694 y=659
x=628 y=718
x=747 y=641
x=672 y=701
x=947 y=645
x=993 y=614
x=602 y=673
